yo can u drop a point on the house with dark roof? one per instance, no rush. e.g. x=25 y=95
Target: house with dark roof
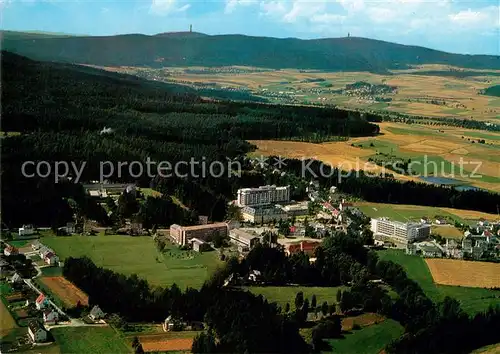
x=50 y=316
x=51 y=259
x=36 y=332
x=10 y=251
x=96 y=313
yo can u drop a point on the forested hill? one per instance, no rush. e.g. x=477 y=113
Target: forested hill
x=58 y=111
x=180 y=49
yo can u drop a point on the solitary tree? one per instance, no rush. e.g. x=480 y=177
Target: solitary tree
x=331 y=309
x=287 y=307
x=299 y=300
x=324 y=308
x=339 y=295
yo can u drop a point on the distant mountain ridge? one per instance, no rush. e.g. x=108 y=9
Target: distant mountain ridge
x=198 y=49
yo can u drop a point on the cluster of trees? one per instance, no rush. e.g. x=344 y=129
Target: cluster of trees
x=241 y=321
x=375 y=188
x=61 y=112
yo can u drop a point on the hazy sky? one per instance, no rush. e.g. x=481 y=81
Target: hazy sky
x=451 y=25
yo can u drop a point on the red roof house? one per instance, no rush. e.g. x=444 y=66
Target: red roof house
x=41 y=302
x=308 y=247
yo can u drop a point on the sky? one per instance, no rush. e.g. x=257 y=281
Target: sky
x=468 y=27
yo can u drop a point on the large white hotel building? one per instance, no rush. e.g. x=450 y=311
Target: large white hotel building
x=263 y=195
x=400 y=232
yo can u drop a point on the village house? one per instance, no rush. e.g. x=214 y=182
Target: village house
x=50 y=316
x=10 y=251
x=51 y=259
x=26 y=230
x=96 y=313
x=172 y=324
x=441 y=221
x=16 y=278
x=255 y=276
x=37 y=332
x=35 y=246
x=41 y=302
x=425 y=220
x=431 y=251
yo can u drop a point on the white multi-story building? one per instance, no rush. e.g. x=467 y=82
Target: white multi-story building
x=263 y=195
x=398 y=231
x=263 y=213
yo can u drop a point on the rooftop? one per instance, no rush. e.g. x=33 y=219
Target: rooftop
x=200 y=227
x=244 y=234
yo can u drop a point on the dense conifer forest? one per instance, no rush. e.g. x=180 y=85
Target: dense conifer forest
x=58 y=112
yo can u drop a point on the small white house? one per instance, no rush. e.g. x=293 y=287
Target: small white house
x=37 y=332
x=441 y=221
x=96 y=313
x=26 y=230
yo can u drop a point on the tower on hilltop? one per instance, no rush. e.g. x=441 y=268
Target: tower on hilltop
x=190 y=28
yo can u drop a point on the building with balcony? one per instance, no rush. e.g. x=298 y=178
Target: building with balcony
x=263 y=195
x=400 y=232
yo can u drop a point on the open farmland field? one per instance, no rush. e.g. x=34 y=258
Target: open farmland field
x=429 y=90
x=490 y=349
x=163 y=342
x=138 y=255
x=464 y=273
x=363 y=320
x=472 y=300
x=368 y=340
x=404 y=212
x=7 y=323
x=66 y=291
x=436 y=152
x=84 y=340
x=283 y=294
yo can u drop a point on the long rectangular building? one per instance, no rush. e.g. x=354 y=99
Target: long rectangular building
x=263 y=213
x=400 y=232
x=263 y=195
x=182 y=234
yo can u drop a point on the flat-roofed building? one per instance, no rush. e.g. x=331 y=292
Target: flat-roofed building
x=263 y=195
x=296 y=209
x=308 y=247
x=262 y=214
x=199 y=245
x=399 y=231
x=243 y=239
x=182 y=234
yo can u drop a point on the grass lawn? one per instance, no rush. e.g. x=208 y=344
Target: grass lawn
x=283 y=294
x=7 y=323
x=401 y=212
x=369 y=340
x=51 y=271
x=85 y=340
x=19 y=243
x=129 y=255
x=473 y=300
x=447 y=231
